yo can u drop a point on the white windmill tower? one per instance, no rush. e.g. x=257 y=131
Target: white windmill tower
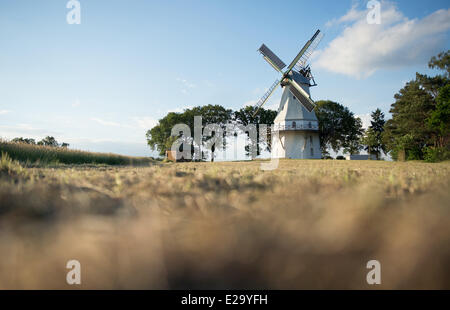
x=296 y=128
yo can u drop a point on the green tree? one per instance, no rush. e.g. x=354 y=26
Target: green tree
x=411 y=108
x=377 y=122
x=24 y=140
x=372 y=139
x=338 y=128
x=420 y=113
x=439 y=119
x=355 y=131
x=439 y=123
x=245 y=117
x=431 y=84
x=49 y=141
x=211 y=114
x=442 y=62
x=371 y=142
x=159 y=137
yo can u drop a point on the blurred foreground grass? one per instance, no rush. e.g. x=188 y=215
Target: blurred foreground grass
x=308 y=224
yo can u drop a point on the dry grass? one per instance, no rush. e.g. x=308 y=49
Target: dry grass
x=308 y=224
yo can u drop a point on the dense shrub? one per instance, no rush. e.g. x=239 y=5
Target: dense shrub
x=436 y=154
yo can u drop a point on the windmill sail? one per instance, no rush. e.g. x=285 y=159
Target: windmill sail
x=302 y=52
x=271 y=58
x=305 y=57
x=298 y=63
x=266 y=96
x=302 y=96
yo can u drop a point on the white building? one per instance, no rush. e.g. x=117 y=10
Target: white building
x=296 y=130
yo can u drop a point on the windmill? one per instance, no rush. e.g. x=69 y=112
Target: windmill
x=296 y=126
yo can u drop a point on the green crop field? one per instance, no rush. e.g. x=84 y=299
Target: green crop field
x=307 y=224
x=36 y=154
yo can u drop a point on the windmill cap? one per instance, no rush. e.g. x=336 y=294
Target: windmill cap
x=298 y=77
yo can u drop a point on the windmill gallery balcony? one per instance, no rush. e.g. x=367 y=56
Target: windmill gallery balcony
x=296 y=125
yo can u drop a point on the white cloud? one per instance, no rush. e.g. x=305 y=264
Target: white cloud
x=352 y=15
x=138 y=122
x=250 y=103
x=145 y=122
x=106 y=123
x=208 y=83
x=25 y=130
x=179 y=110
x=3 y=112
x=362 y=49
x=186 y=86
x=186 y=83
x=76 y=103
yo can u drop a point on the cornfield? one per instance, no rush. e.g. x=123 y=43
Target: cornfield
x=37 y=154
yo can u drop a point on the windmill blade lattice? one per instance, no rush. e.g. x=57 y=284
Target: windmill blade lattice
x=309 y=51
x=301 y=53
x=266 y=96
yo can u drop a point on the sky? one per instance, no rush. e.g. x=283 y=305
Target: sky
x=101 y=84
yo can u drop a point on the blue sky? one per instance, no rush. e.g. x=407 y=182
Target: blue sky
x=100 y=84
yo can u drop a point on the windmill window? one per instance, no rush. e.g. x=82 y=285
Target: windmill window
x=294 y=97
x=294 y=125
x=309 y=125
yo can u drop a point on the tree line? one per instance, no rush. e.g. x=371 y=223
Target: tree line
x=418 y=129
x=338 y=127
x=159 y=137
x=47 y=141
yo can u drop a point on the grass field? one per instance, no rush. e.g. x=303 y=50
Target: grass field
x=308 y=224
x=45 y=155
